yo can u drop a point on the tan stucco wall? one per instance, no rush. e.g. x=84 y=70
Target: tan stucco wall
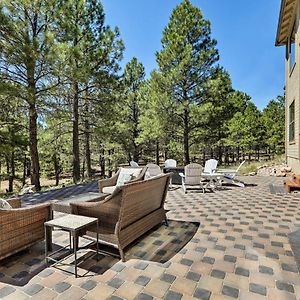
x=292 y=93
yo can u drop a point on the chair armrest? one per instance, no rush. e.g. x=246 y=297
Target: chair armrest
x=226 y=171
x=15 y=202
x=107 y=210
x=108 y=182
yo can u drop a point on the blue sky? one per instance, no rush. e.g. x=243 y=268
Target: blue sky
x=245 y=31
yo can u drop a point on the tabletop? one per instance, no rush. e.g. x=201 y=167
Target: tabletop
x=71 y=222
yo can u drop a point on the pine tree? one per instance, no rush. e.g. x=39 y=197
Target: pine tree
x=129 y=108
x=26 y=61
x=91 y=50
x=273 y=117
x=186 y=62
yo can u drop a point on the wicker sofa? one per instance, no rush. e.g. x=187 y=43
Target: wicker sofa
x=108 y=185
x=129 y=212
x=21 y=227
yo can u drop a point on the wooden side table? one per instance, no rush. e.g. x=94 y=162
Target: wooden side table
x=72 y=224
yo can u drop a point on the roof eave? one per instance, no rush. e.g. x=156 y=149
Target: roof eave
x=280 y=41
x=277 y=42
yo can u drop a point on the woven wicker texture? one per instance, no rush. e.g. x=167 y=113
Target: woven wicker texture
x=129 y=212
x=21 y=227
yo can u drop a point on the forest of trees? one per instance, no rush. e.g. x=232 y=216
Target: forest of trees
x=67 y=107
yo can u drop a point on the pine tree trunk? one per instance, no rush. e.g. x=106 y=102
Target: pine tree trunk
x=11 y=175
x=220 y=154
x=186 y=149
x=87 y=149
x=24 y=170
x=34 y=155
x=76 y=160
x=136 y=154
x=109 y=163
x=157 y=152
x=102 y=162
x=87 y=139
x=56 y=169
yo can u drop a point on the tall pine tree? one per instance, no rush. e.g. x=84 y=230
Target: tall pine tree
x=27 y=57
x=186 y=62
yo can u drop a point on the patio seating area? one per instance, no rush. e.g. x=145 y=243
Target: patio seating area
x=229 y=244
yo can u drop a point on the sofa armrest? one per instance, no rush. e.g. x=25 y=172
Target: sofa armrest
x=15 y=202
x=108 y=182
x=107 y=210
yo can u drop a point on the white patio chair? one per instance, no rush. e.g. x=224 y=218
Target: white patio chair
x=209 y=174
x=192 y=177
x=134 y=164
x=152 y=170
x=228 y=175
x=210 y=166
x=170 y=163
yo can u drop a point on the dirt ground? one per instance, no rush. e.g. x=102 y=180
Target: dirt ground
x=45 y=182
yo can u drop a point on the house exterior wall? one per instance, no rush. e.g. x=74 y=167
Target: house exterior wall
x=292 y=85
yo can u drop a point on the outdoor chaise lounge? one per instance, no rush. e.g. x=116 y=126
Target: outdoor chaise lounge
x=228 y=175
x=21 y=227
x=124 y=175
x=129 y=212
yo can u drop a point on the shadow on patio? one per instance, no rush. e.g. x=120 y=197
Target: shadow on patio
x=158 y=245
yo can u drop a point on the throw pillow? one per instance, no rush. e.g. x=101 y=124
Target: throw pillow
x=4 y=204
x=123 y=178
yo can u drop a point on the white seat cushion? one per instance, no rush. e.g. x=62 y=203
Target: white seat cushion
x=109 y=189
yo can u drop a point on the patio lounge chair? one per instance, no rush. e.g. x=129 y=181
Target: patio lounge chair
x=170 y=163
x=152 y=170
x=209 y=174
x=129 y=212
x=228 y=175
x=20 y=228
x=192 y=177
x=210 y=166
x=124 y=175
x=134 y=164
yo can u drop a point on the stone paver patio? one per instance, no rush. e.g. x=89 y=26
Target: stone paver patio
x=244 y=248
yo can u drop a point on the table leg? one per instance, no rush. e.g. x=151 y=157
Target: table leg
x=70 y=241
x=97 y=240
x=46 y=245
x=75 y=250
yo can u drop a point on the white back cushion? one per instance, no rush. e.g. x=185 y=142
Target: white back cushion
x=4 y=204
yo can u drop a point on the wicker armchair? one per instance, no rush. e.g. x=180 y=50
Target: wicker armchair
x=112 y=181
x=129 y=212
x=21 y=227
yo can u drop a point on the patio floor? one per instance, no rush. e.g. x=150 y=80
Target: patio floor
x=235 y=243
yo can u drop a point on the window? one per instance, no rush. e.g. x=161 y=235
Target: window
x=292 y=47
x=292 y=122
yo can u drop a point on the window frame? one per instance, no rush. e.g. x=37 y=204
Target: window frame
x=292 y=122
x=292 y=49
